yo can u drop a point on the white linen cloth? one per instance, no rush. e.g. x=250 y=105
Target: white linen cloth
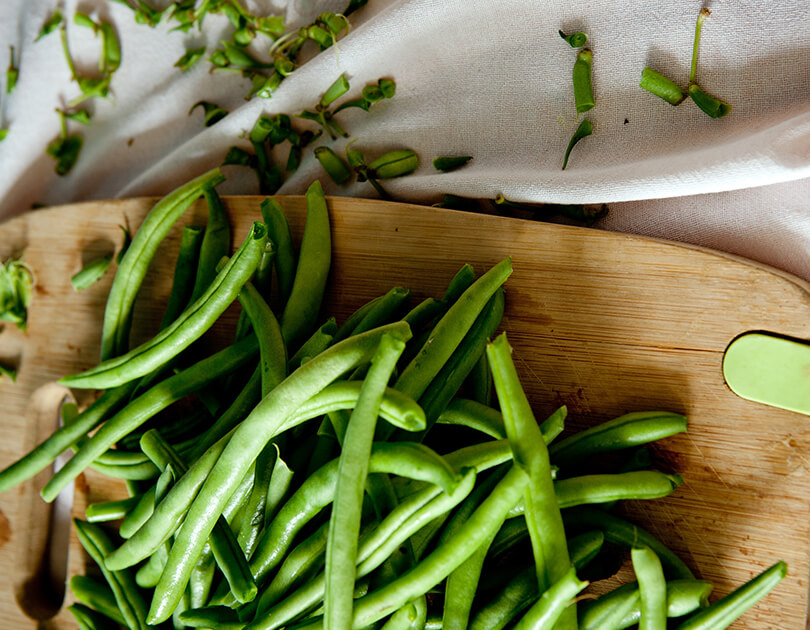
x=491 y=79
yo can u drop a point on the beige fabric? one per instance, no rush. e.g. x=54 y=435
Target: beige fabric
x=490 y=79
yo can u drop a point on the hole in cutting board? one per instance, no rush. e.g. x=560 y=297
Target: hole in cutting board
x=43 y=530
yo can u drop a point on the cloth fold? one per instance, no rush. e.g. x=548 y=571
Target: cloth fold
x=487 y=79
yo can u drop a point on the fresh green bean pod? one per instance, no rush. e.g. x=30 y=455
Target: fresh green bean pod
x=473 y=414
x=652 y=589
x=627 y=431
x=109 y=510
x=186 y=329
x=516 y=596
x=320 y=340
x=96 y=595
x=722 y=613
x=133 y=267
x=302 y=307
x=185 y=270
x=547 y=610
x=541 y=500
x=219 y=617
x=353 y=467
x=253 y=523
x=216 y=243
x=587 y=489
x=620 y=608
x=285 y=261
x=272 y=351
x=91 y=273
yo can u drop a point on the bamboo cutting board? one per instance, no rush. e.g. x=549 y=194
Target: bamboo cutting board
x=602 y=322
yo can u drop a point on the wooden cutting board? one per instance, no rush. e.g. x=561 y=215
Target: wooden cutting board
x=602 y=322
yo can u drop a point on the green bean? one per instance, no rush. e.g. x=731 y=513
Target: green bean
x=219 y=617
x=131 y=271
x=480 y=381
x=89 y=619
x=450 y=330
x=412 y=616
x=145 y=406
x=301 y=309
x=722 y=613
x=347 y=328
x=652 y=589
x=516 y=596
x=139 y=514
x=109 y=510
x=285 y=261
x=583 y=548
x=272 y=353
x=619 y=608
x=526 y=440
x=587 y=489
x=473 y=414
x=583 y=90
x=255 y=508
x=353 y=466
x=553 y=603
x=216 y=243
x=627 y=431
x=247 y=441
x=455 y=371
x=661 y=86
x=423 y=313
x=223 y=542
x=446 y=557
x=459 y=284
x=149 y=573
x=186 y=329
x=66 y=435
x=185 y=270
x=96 y=595
x=91 y=273
x=619 y=531
x=383 y=310
x=320 y=340
x=122 y=584
x=710 y=105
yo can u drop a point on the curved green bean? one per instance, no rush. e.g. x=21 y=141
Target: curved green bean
x=627 y=431
x=185 y=270
x=96 y=595
x=89 y=619
x=186 y=329
x=301 y=309
x=285 y=262
x=216 y=243
x=652 y=589
x=133 y=266
x=641 y=484
x=722 y=613
x=320 y=340
x=272 y=352
x=547 y=610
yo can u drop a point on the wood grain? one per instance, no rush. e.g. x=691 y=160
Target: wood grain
x=602 y=322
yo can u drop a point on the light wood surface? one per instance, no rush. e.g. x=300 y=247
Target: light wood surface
x=602 y=322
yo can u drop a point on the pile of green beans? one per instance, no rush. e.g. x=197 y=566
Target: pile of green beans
x=388 y=472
